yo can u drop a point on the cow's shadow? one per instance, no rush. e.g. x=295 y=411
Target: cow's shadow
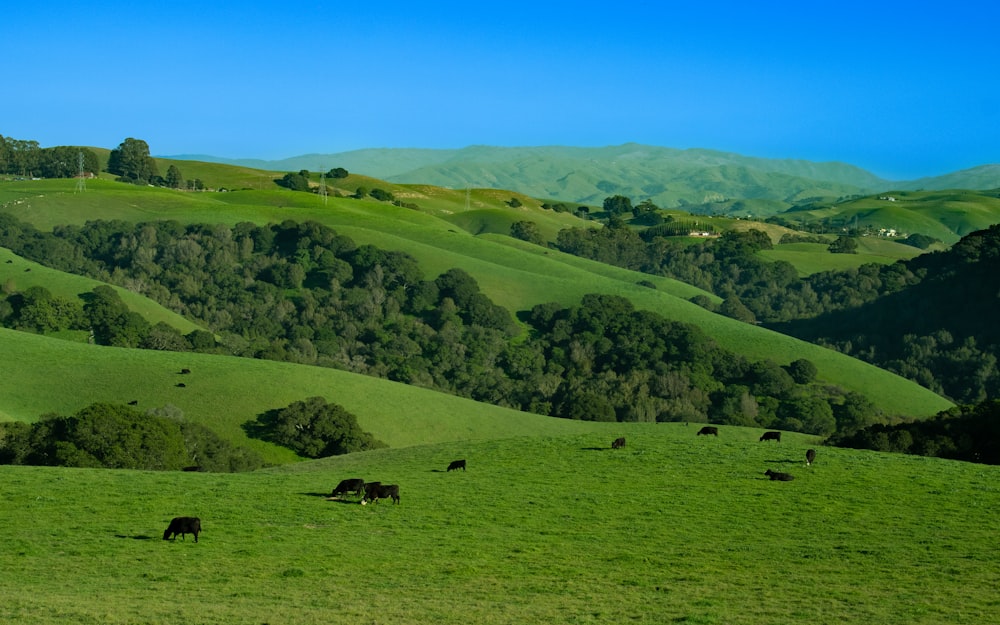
x=595 y=448
x=784 y=461
x=136 y=537
x=326 y=494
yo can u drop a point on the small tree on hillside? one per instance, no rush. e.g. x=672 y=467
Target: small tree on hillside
x=313 y=428
x=131 y=162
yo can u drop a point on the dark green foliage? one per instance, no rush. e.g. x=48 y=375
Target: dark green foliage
x=382 y=195
x=970 y=433
x=37 y=310
x=174 y=179
x=803 y=371
x=295 y=181
x=113 y=436
x=514 y=203
x=338 y=172
x=844 y=245
x=313 y=428
x=617 y=205
x=921 y=241
x=131 y=162
x=526 y=231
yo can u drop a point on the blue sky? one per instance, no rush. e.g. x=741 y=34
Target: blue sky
x=902 y=89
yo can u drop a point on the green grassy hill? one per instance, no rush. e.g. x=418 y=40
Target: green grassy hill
x=810 y=258
x=514 y=274
x=675 y=528
x=944 y=215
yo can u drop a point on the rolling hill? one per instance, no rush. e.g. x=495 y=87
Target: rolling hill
x=515 y=274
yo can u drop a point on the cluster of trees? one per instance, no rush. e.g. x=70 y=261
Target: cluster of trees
x=19 y=157
x=113 y=436
x=970 y=433
x=890 y=315
x=301 y=292
x=313 y=428
x=131 y=162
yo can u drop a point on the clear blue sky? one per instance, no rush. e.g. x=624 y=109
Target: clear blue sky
x=902 y=89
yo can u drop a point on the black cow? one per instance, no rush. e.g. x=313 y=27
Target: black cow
x=618 y=443
x=382 y=491
x=352 y=485
x=134 y=402
x=779 y=476
x=183 y=525
x=708 y=429
x=185 y=371
x=456 y=465
x=810 y=456
x=181 y=385
x=771 y=436
x=371 y=489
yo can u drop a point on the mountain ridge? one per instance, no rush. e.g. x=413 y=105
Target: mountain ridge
x=670 y=177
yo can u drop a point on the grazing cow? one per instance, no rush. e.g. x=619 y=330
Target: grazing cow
x=181 y=385
x=618 y=443
x=810 y=456
x=779 y=476
x=134 y=402
x=708 y=429
x=183 y=525
x=771 y=436
x=382 y=491
x=185 y=371
x=456 y=465
x=371 y=489
x=353 y=485
x=193 y=468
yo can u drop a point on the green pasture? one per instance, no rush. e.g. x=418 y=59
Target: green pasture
x=810 y=258
x=674 y=528
x=46 y=375
x=514 y=274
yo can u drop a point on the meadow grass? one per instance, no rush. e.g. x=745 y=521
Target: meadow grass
x=810 y=258
x=540 y=529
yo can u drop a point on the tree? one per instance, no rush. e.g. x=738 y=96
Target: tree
x=295 y=181
x=313 y=428
x=802 y=371
x=338 y=172
x=381 y=195
x=132 y=163
x=526 y=231
x=174 y=178
x=844 y=245
x=617 y=205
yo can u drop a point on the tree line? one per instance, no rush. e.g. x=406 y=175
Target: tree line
x=19 y=157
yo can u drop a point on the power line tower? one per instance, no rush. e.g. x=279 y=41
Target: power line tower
x=468 y=191
x=322 y=185
x=81 y=182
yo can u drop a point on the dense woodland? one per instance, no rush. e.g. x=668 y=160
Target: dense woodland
x=303 y=293
x=27 y=159
x=929 y=319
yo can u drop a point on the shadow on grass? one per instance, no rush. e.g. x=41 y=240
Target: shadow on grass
x=595 y=448
x=784 y=461
x=136 y=537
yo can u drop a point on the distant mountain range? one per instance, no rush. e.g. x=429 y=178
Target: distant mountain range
x=669 y=177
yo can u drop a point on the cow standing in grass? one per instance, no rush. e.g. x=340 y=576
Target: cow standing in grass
x=810 y=457
x=352 y=485
x=456 y=465
x=771 y=436
x=779 y=476
x=618 y=443
x=183 y=525
x=708 y=430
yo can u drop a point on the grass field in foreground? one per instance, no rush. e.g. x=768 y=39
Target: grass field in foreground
x=674 y=528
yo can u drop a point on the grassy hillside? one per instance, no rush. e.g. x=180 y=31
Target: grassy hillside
x=549 y=529
x=944 y=215
x=225 y=392
x=515 y=275
x=810 y=258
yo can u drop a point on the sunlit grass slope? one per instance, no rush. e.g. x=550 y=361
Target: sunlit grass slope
x=45 y=375
x=674 y=528
x=513 y=274
x=810 y=258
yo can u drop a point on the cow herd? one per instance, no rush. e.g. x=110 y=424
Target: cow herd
x=371 y=492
